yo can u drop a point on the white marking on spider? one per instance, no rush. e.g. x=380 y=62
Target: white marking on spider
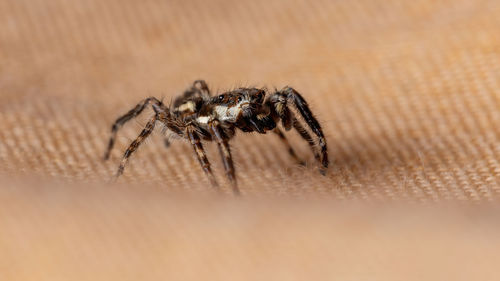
x=203 y=119
x=188 y=106
x=225 y=113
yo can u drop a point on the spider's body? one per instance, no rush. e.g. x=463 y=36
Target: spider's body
x=196 y=116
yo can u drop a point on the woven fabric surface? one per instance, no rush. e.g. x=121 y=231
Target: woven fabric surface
x=407 y=93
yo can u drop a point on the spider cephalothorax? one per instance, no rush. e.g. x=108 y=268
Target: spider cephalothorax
x=196 y=116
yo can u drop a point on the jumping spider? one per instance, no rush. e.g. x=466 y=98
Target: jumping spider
x=196 y=116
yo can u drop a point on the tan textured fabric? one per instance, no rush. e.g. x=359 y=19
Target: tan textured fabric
x=117 y=233
x=406 y=91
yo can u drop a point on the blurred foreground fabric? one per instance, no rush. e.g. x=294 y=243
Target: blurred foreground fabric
x=81 y=232
x=406 y=91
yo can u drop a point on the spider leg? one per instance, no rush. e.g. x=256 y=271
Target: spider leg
x=202 y=86
x=148 y=129
x=301 y=105
x=200 y=153
x=284 y=140
x=306 y=136
x=164 y=116
x=289 y=94
x=225 y=153
x=279 y=107
x=123 y=119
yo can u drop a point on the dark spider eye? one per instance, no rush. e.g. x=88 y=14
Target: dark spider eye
x=240 y=99
x=220 y=98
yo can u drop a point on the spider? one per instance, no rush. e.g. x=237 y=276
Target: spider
x=197 y=115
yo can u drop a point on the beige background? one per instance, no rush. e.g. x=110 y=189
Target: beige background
x=407 y=93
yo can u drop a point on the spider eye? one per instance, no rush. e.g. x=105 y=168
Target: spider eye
x=220 y=98
x=240 y=99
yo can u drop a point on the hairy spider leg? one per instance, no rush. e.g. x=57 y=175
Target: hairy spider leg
x=278 y=105
x=225 y=152
x=203 y=86
x=124 y=119
x=198 y=87
x=201 y=155
x=189 y=133
x=290 y=149
x=301 y=105
x=279 y=101
x=305 y=135
x=148 y=129
x=163 y=115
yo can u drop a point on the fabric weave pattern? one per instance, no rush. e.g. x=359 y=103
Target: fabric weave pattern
x=406 y=92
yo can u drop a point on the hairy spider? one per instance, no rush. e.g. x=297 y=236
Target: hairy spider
x=196 y=116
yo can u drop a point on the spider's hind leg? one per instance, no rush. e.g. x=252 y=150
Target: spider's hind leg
x=148 y=129
x=203 y=86
x=198 y=88
x=124 y=119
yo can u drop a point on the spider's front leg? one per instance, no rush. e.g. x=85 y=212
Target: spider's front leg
x=307 y=137
x=279 y=106
x=225 y=152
